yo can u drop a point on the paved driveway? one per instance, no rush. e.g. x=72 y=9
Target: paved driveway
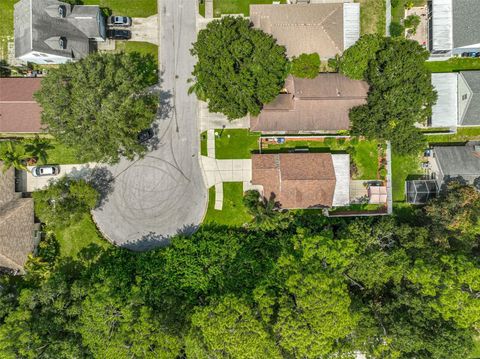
x=162 y=194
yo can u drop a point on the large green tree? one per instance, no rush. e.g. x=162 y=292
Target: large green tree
x=354 y=61
x=65 y=201
x=401 y=95
x=306 y=65
x=99 y=105
x=239 y=68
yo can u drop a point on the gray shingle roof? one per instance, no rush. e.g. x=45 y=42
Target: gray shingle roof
x=461 y=161
x=466 y=29
x=472 y=113
x=38 y=28
x=17 y=224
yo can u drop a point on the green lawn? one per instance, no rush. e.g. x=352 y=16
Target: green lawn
x=365 y=155
x=234 y=212
x=137 y=46
x=235 y=144
x=78 y=236
x=372 y=16
x=402 y=168
x=463 y=134
x=6 y=26
x=454 y=64
x=203 y=143
x=237 y=6
x=62 y=155
x=201 y=8
x=133 y=8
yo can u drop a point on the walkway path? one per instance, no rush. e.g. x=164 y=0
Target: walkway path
x=388 y=16
x=163 y=194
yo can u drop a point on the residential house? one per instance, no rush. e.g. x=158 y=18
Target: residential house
x=19 y=234
x=318 y=105
x=327 y=28
x=303 y=180
x=450 y=162
x=453 y=27
x=458 y=102
x=19 y=112
x=54 y=32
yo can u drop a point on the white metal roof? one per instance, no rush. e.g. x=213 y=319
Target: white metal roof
x=445 y=112
x=351 y=24
x=442 y=23
x=341 y=165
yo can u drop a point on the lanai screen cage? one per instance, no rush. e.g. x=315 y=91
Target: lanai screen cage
x=420 y=191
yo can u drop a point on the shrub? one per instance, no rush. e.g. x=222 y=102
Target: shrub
x=396 y=29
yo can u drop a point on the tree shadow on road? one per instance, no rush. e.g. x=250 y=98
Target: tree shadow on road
x=164 y=113
x=100 y=178
x=154 y=240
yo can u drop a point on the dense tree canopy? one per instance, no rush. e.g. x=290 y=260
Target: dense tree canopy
x=65 y=201
x=391 y=287
x=239 y=68
x=99 y=105
x=401 y=95
x=354 y=61
x=306 y=66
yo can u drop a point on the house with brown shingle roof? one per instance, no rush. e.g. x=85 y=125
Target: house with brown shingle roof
x=19 y=112
x=314 y=105
x=327 y=29
x=18 y=231
x=303 y=180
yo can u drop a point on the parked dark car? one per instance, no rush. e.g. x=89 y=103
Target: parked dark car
x=46 y=170
x=119 y=34
x=145 y=135
x=119 y=21
x=470 y=54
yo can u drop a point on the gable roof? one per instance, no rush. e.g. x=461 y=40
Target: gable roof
x=17 y=224
x=465 y=22
x=471 y=114
x=297 y=180
x=307 y=28
x=19 y=112
x=38 y=27
x=319 y=104
x=455 y=161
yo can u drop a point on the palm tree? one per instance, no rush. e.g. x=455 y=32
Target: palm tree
x=263 y=210
x=13 y=156
x=39 y=148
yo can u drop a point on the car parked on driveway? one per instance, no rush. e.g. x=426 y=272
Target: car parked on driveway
x=46 y=170
x=119 y=21
x=119 y=34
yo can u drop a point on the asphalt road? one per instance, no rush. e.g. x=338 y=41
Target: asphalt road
x=162 y=194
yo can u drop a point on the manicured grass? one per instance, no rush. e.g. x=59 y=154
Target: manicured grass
x=133 y=8
x=365 y=154
x=62 y=155
x=235 y=144
x=372 y=16
x=366 y=159
x=402 y=168
x=237 y=6
x=6 y=26
x=201 y=8
x=143 y=48
x=464 y=134
x=454 y=64
x=79 y=236
x=358 y=208
x=233 y=212
x=203 y=143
